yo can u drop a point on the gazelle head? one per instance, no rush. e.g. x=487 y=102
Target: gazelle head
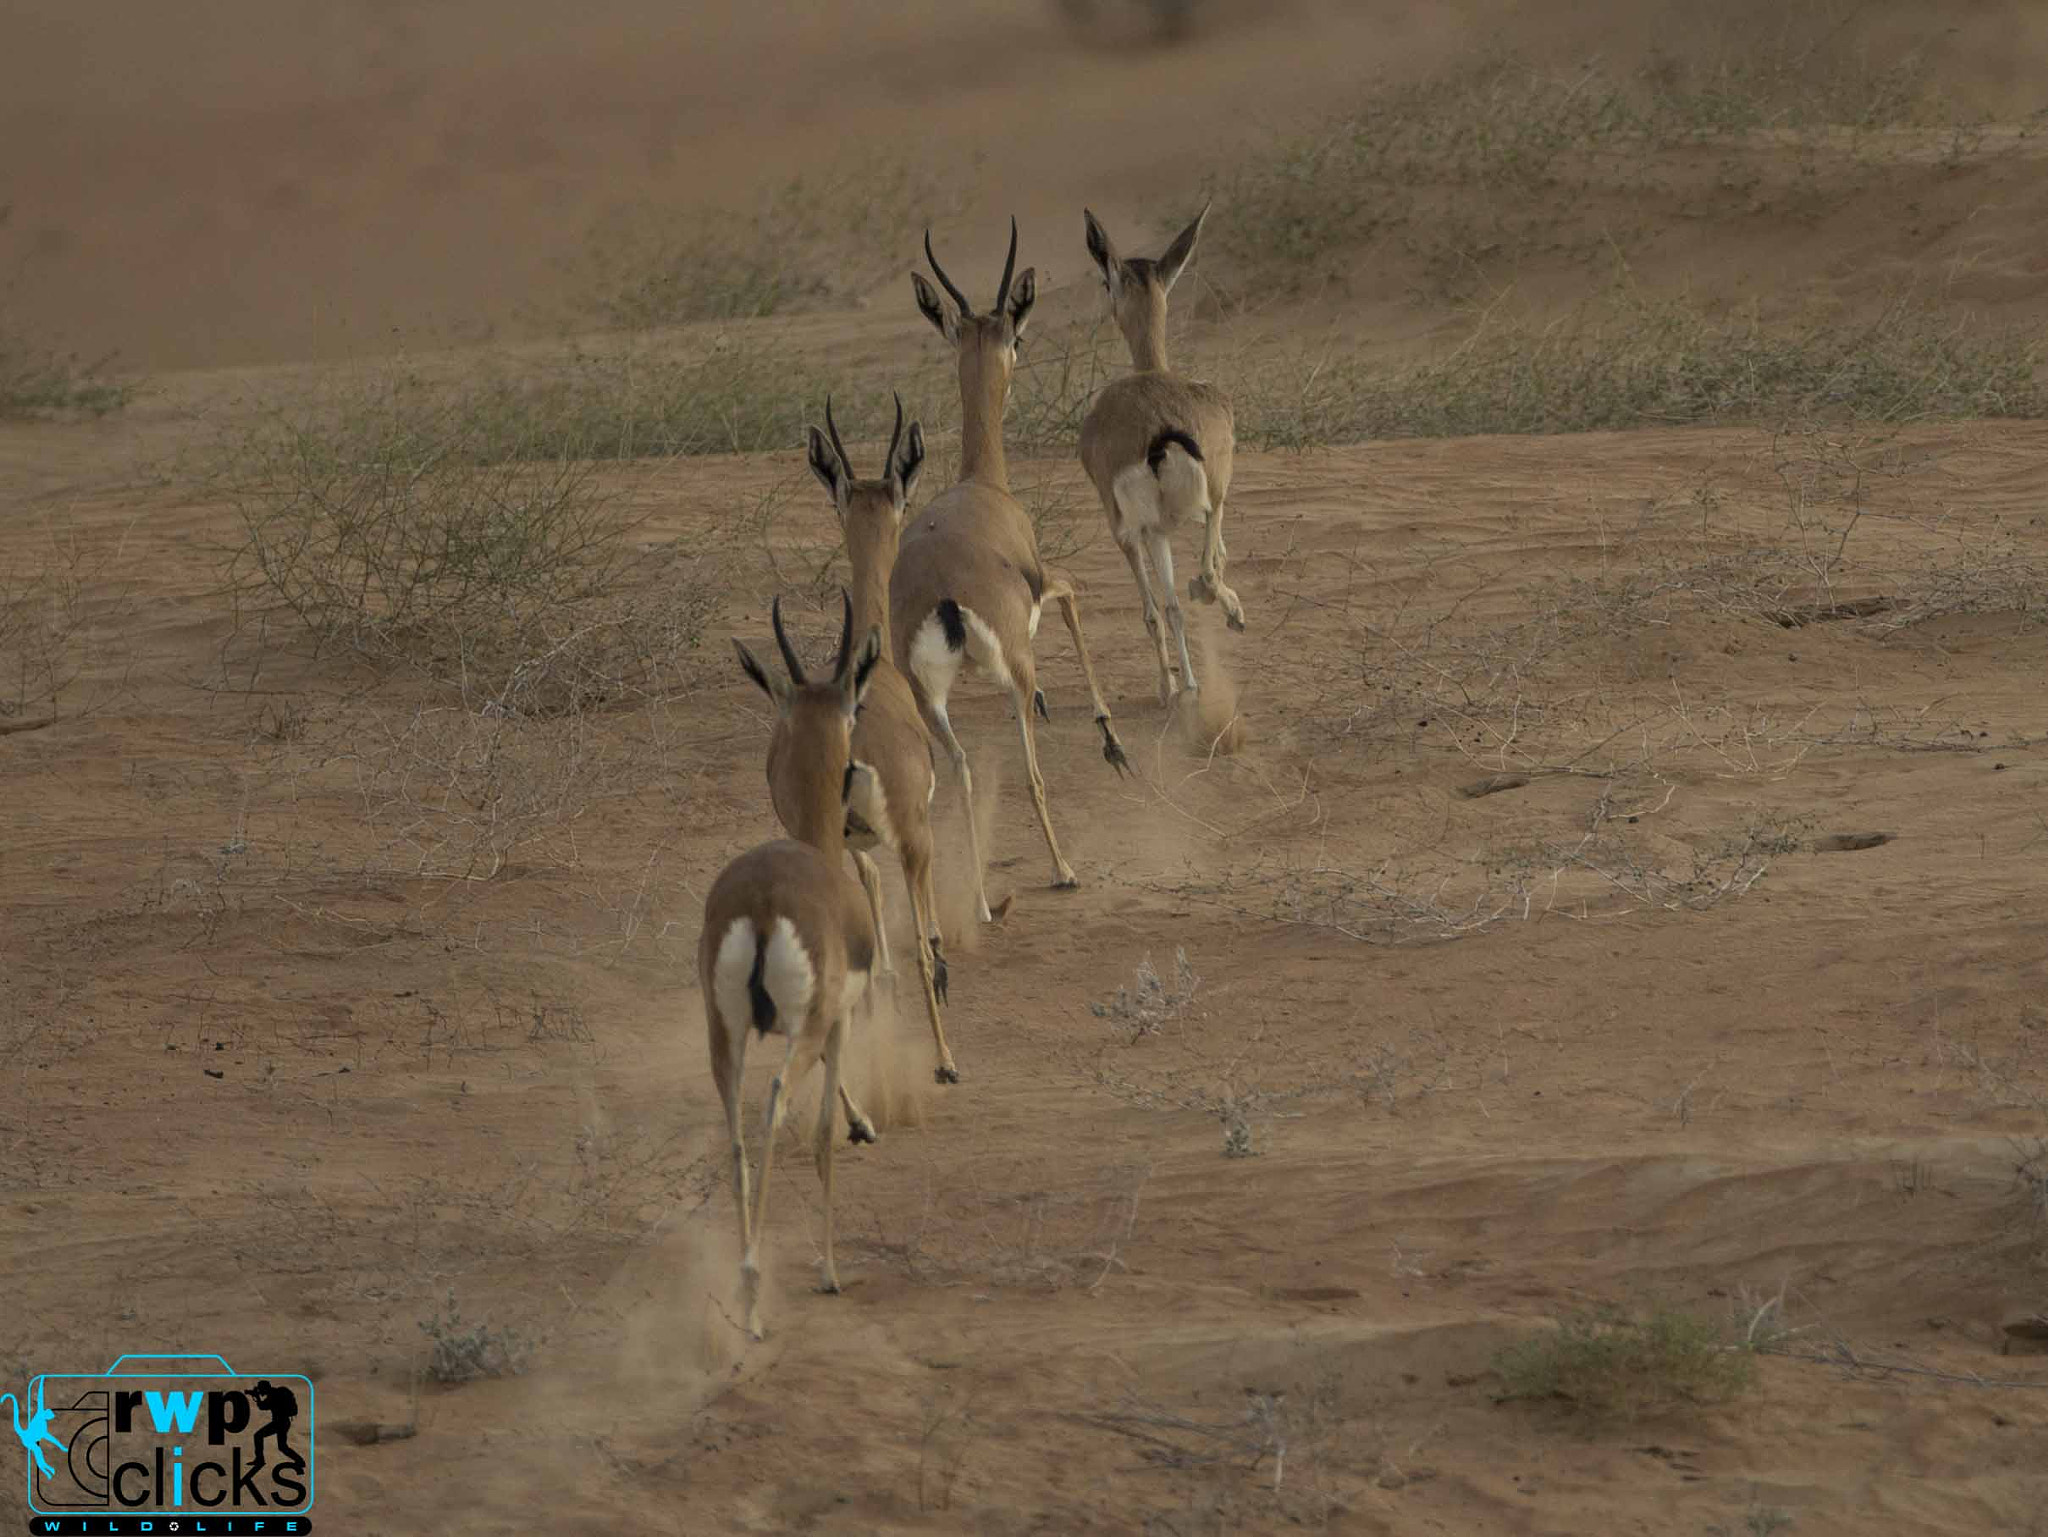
x=987 y=344
x=870 y=511
x=810 y=756
x=1138 y=285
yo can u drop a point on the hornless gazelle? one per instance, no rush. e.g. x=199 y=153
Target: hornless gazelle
x=1158 y=448
x=788 y=943
x=891 y=781
x=968 y=584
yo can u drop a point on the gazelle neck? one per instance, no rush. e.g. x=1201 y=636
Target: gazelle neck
x=984 y=391
x=1145 y=335
x=873 y=563
x=821 y=822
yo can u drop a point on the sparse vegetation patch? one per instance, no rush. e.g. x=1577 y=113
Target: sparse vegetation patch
x=1610 y=1366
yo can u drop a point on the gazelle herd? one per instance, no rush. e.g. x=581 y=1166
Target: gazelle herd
x=791 y=942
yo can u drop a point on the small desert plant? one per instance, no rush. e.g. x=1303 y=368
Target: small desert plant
x=1607 y=1365
x=1151 y=1002
x=465 y=1352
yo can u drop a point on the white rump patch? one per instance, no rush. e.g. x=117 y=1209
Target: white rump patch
x=1137 y=496
x=1161 y=501
x=934 y=664
x=729 y=973
x=788 y=976
x=984 y=650
x=937 y=665
x=870 y=802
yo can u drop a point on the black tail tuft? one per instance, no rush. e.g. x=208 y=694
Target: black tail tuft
x=764 y=1006
x=954 y=626
x=1171 y=435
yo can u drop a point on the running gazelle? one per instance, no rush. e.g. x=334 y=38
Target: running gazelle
x=969 y=583
x=1158 y=449
x=892 y=779
x=788 y=943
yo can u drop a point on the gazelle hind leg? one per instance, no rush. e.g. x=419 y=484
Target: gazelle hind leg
x=726 y=1067
x=1063 y=877
x=1207 y=585
x=917 y=881
x=1061 y=590
x=929 y=921
x=1162 y=562
x=871 y=883
x=1135 y=555
x=828 y=1110
x=750 y=1263
x=942 y=728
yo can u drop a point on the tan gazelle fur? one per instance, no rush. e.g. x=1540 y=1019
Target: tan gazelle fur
x=892 y=779
x=788 y=944
x=1158 y=448
x=968 y=584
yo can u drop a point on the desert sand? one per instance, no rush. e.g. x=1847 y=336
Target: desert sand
x=1537 y=957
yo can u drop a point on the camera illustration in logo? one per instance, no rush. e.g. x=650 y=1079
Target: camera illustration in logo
x=168 y=1435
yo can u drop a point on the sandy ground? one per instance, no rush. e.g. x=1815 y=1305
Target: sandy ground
x=1628 y=1033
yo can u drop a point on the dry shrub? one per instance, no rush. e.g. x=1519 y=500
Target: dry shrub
x=1610 y=1367
x=1630 y=360
x=1483 y=164
x=38 y=382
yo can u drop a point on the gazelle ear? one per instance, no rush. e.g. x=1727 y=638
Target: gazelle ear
x=862 y=672
x=829 y=468
x=909 y=462
x=1177 y=254
x=775 y=688
x=1023 y=294
x=935 y=309
x=1100 y=246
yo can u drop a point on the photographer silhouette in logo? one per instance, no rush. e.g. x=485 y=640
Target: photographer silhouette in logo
x=282 y=1405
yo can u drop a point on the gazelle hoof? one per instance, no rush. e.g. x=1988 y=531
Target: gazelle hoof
x=1235 y=621
x=858 y=1132
x=946 y=1072
x=1038 y=704
x=1113 y=751
x=1068 y=882
x=829 y=1286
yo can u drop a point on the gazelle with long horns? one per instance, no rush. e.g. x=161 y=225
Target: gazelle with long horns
x=788 y=943
x=969 y=584
x=893 y=777
x=1158 y=448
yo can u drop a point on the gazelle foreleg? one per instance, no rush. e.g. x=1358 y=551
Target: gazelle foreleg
x=1207 y=585
x=1061 y=590
x=1134 y=554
